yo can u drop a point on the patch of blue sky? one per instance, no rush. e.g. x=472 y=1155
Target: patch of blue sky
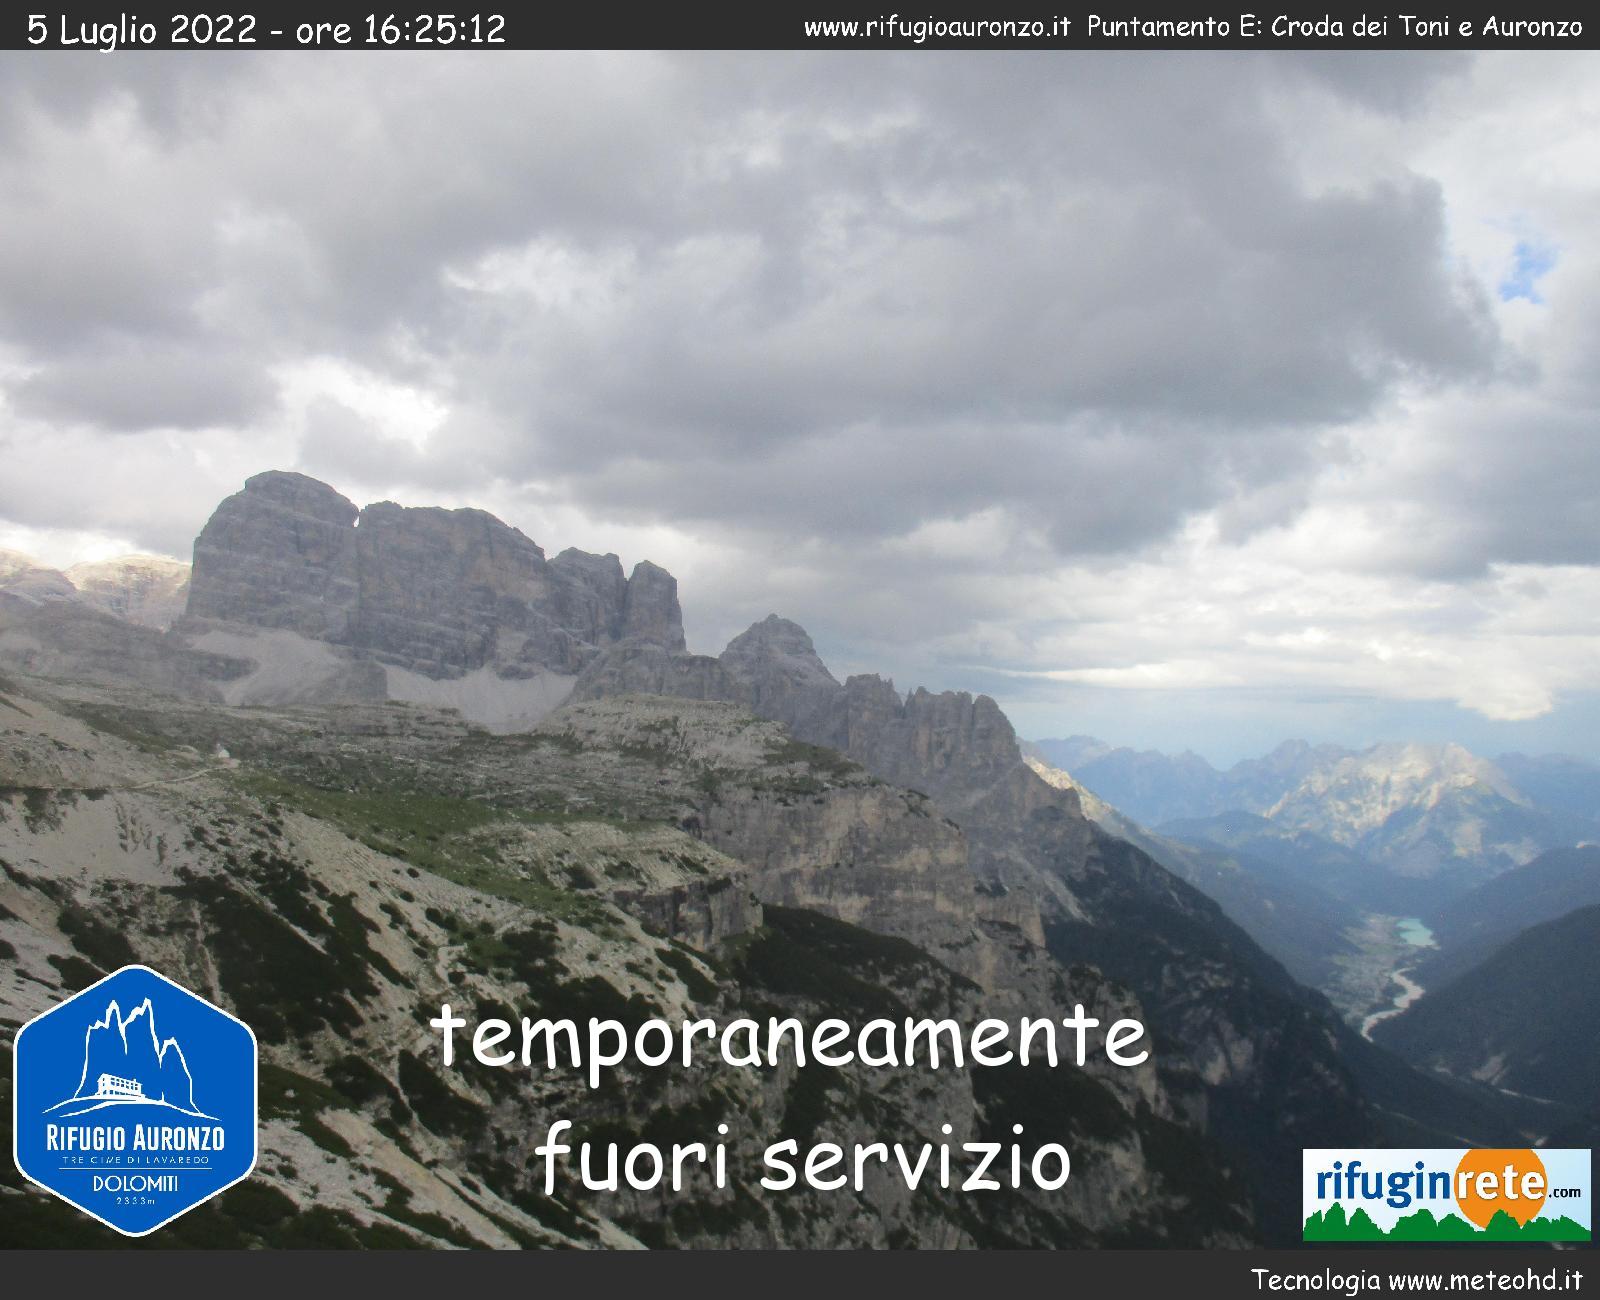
x=1531 y=261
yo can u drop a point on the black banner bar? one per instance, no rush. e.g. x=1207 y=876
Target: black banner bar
x=1320 y=1273
x=812 y=25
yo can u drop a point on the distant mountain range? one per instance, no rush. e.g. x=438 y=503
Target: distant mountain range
x=1311 y=847
x=1284 y=908
x=149 y=590
x=1433 y=820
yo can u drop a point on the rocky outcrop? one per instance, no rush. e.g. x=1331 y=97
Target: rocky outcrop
x=866 y=853
x=644 y=668
x=950 y=745
x=776 y=659
x=278 y=554
x=441 y=593
x=954 y=745
x=589 y=594
x=705 y=914
x=650 y=610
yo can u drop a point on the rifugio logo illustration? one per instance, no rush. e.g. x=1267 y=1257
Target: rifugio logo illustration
x=1445 y=1194
x=135 y=1100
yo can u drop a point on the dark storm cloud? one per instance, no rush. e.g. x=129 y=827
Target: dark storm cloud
x=1012 y=247
x=1516 y=484
x=138 y=384
x=1089 y=486
x=1390 y=81
x=1050 y=302
x=796 y=293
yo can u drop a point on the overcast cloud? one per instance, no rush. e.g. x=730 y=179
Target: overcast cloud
x=1101 y=383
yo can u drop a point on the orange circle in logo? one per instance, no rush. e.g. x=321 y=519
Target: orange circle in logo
x=1495 y=1178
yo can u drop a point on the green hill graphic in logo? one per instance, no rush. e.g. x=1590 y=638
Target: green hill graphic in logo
x=1422 y=1225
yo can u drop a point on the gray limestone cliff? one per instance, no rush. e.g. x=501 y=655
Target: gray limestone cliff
x=437 y=592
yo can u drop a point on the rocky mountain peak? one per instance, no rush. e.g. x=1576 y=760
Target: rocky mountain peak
x=650 y=610
x=601 y=570
x=1379 y=781
x=941 y=742
x=937 y=742
x=436 y=592
x=776 y=648
x=300 y=493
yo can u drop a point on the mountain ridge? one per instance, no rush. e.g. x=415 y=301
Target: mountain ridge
x=1436 y=815
x=913 y=816
x=148 y=590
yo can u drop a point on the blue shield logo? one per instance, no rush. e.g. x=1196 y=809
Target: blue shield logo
x=135 y=1100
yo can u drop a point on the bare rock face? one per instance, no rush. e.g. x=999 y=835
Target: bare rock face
x=951 y=745
x=776 y=654
x=645 y=668
x=773 y=670
x=278 y=554
x=861 y=851
x=442 y=593
x=590 y=593
x=701 y=913
x=650 y=611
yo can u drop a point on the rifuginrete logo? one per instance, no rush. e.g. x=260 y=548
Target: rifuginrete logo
x=1446 y=1194
x=135 y=1100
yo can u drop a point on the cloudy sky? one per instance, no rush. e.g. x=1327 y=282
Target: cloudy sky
x=1182 y=400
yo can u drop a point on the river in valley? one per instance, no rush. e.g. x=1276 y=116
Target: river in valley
x=1413 y=936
